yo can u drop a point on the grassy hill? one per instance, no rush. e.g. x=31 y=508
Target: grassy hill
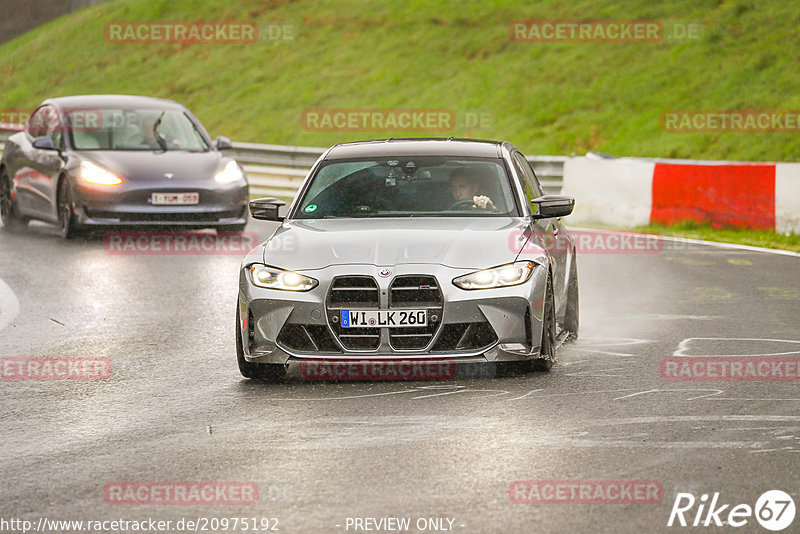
x=548 y=98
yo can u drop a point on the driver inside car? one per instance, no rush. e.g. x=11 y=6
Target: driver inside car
x=146 y=135
x=465 y=186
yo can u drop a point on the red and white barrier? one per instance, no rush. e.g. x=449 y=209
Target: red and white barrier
x=609 y=191
x=631 y=192
x=787 y=198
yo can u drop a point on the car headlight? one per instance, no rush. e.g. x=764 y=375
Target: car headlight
x=506 y=275
x=231 y=173
x=96 y=174
x=272 y=278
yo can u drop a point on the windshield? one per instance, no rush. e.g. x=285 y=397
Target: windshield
x=133 y=129
x=409 y=186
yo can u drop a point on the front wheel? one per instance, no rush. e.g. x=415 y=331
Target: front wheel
x=547 y=354
x=67 y=225
x=571 y=320
x=8 y=211
x=547 y=351
x=260 y=371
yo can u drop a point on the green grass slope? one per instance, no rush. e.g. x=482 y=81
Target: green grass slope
x=548 y=98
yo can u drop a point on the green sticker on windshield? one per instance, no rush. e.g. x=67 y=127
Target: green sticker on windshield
x=310 y=208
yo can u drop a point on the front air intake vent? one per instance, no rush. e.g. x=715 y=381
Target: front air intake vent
x=415 y=292
x=354 y=292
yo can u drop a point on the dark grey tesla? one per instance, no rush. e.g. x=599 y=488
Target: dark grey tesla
x=117 y=160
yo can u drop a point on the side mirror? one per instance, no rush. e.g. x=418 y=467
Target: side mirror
x=548 y=206
x=266 y=209
x=223 y=143
x=43 y=143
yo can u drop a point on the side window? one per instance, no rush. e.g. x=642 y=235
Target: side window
x=529 y=174
x=37 y=124
x=524 y=181
x=46 y=122
x=54 y=127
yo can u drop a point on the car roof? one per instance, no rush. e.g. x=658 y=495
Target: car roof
x=112 y=101
x=429 y=146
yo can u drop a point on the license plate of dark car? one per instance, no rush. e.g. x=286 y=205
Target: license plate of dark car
x=174 y=199
x=383 y=318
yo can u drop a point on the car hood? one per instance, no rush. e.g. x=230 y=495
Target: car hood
x=148 y=165
x=458 y=242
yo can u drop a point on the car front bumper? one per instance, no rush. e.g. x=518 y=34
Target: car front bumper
x=225 y=205
x=489 y=325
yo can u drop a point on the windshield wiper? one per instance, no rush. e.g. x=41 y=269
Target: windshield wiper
x=159 y=139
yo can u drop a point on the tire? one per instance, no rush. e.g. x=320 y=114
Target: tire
x=547 y=353
x=8 y=211
x=572 y=317
x=267 y=372
x=67 y=226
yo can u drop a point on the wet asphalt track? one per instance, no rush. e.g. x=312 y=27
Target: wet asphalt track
x=176 y=408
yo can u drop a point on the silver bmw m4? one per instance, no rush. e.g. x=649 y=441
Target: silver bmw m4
x=413 y=250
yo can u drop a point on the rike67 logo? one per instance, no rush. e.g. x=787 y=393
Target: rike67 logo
x=774 y=510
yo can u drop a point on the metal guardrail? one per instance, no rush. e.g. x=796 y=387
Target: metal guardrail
x=550 y=171
x=278 y=170
x=282 y=182
x=298 y=157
